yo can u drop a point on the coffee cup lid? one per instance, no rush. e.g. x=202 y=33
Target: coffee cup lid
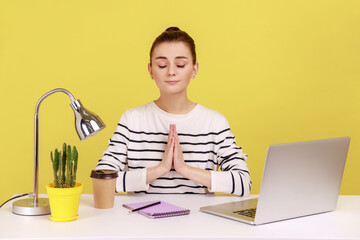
x=104 y=174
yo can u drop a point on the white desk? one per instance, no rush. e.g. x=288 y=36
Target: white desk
x=116 y=223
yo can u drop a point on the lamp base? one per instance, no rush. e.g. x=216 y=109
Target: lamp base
x=26 y=207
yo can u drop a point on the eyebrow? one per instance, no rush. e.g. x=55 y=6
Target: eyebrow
x=178 y=57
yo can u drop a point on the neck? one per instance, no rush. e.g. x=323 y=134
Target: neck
x=175 y=104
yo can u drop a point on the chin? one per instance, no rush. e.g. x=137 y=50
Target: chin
x=173 y=92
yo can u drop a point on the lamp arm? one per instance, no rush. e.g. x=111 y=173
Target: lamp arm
x=36 y=145
x=52 y=92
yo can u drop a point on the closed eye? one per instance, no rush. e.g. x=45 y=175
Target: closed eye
x=162 y=66
x=180 y=66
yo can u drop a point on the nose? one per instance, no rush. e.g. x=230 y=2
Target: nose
x=171 y=71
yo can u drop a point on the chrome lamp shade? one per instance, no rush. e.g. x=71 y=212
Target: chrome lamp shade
x=87 y=124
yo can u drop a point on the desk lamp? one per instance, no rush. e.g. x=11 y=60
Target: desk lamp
x=87 y=124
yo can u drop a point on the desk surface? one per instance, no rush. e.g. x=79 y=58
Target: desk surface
x=116 y=223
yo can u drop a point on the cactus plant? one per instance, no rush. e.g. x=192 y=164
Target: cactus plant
x=55 y=163
x=64 y=166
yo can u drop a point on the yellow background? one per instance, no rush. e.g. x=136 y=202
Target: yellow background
x=280 y=71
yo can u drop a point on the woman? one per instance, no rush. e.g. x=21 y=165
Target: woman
x=173 y=145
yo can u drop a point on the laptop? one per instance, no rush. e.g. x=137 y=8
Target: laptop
x=299 y=179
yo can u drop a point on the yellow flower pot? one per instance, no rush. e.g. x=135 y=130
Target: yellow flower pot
x=64 y=202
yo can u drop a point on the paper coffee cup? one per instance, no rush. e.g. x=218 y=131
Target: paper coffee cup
x=104 y=183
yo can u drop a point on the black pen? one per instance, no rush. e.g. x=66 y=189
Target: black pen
x=146 y=206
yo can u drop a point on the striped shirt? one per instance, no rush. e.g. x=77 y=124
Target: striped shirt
x=206 y=141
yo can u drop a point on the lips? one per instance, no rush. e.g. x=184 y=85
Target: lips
x=172 y=82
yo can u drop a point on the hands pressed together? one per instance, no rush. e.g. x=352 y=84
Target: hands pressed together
x=173 y=158
x=173 y=155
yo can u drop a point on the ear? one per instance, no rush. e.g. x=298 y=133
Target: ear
x=150 y=70
x=195 y=69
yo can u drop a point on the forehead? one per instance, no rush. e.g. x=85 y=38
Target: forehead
x=171 y=50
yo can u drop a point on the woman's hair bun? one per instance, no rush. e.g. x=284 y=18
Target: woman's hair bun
x=171 y=29
x=174 y=34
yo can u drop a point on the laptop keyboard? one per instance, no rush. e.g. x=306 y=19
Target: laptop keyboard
x=247 y=212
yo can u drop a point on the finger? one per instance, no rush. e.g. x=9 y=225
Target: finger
x=170 y=153
x=168 y=156
x=176 y=139
x=176 y=136
x=170 y=145
x=174 y=131
x=178 y=154
x=177 y=146
x=170 y=134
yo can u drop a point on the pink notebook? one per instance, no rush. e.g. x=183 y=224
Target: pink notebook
x=161 y=210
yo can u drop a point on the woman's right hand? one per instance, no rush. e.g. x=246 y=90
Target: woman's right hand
x=166 y=164
x=167 y=160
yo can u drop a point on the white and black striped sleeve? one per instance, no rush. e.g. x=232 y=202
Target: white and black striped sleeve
x=234 y=176
x=115 y=158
